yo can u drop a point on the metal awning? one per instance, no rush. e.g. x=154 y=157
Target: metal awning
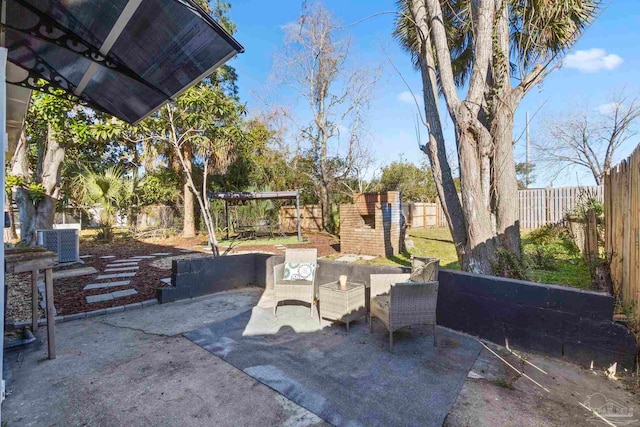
x=124 y=57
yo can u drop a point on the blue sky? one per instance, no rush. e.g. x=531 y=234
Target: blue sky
x=607 y=58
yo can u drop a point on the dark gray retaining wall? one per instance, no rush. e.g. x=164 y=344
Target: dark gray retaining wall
x=201 y=276
x=562 y=322
x=554 y=320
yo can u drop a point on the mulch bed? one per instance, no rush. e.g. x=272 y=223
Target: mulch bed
x=69 y=296
x=326 y=244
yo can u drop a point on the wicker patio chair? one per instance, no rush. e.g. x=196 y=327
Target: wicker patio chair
x=299 y=290
x=399 y=305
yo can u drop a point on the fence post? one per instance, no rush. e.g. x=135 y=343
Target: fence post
x=298 y=215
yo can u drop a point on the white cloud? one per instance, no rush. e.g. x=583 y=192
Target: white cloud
x=592 y=60
x=608 y=108
x=407 y=98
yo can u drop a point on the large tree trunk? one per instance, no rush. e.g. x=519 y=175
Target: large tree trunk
x=45 y=213
x=505 y=182
x=27 y=215
x=189 y=224
x=13 y=233
x=325 y=201
x=504 y=179
x=480 y=235
x=436 y=150
x=41 y=215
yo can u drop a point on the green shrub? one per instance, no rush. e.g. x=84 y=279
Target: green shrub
x=508 y=264
x=548 y=244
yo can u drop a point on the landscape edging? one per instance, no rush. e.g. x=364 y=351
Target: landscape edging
x=87 y=314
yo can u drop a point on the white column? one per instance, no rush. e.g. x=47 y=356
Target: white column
x=3 y=148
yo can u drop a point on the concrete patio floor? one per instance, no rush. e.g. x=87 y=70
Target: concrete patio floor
x=135 y=368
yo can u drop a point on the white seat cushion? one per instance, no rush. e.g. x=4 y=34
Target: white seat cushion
x=299 y=271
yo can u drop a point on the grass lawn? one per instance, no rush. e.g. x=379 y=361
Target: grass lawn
x=436 y=242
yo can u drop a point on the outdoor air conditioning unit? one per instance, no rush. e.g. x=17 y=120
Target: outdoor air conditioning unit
x=64 y=242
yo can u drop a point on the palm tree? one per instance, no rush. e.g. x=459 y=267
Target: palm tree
x=109 y=189
x=483 y=56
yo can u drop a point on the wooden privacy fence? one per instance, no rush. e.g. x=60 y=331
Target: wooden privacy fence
x=622 y=227
x=424 y=215
x=537 y=207
x=310 y=218
x=541 y=206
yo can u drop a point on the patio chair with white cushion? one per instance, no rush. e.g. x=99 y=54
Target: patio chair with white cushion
x=295 y=278
x=399 y=304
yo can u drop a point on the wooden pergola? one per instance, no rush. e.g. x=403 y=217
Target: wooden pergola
x=264 y=195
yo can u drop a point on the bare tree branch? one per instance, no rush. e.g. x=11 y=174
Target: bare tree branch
x=589 y=139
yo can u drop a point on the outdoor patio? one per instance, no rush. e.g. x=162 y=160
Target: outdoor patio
x=137 y=368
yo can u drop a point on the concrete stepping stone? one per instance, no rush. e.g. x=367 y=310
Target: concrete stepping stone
x=106 y=285
x=107 y=257
x=111 y=296
x=122 y=264
x=127 y=261
x=142 y=257
x=124 y=293
x=115 y=276
x=161 y=254
x=86 y=256
x=186 y=251
x=74 y=272
x=99 y=298
x=111 y=270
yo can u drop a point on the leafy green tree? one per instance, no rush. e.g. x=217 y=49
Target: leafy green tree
x=203 y=127
x=159 y=187
x=525 y=174
x=56 y=129
x=415 y=183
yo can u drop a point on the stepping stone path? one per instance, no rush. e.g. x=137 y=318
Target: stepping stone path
x=118 y=269
x=186 y=251
x=111 y=296
x=115 y=276
x=123 y=264
x=106 y=285
x=74 y=272
x=86 y=256
x=111 y=270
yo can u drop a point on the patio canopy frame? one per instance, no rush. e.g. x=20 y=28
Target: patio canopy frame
x=264 y=195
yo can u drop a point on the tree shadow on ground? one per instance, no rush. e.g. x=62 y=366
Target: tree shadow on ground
x=432 y=239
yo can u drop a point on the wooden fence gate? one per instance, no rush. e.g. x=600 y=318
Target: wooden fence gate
x=310 y=218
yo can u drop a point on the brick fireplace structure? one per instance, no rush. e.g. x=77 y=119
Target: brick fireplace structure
x=372 y=225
